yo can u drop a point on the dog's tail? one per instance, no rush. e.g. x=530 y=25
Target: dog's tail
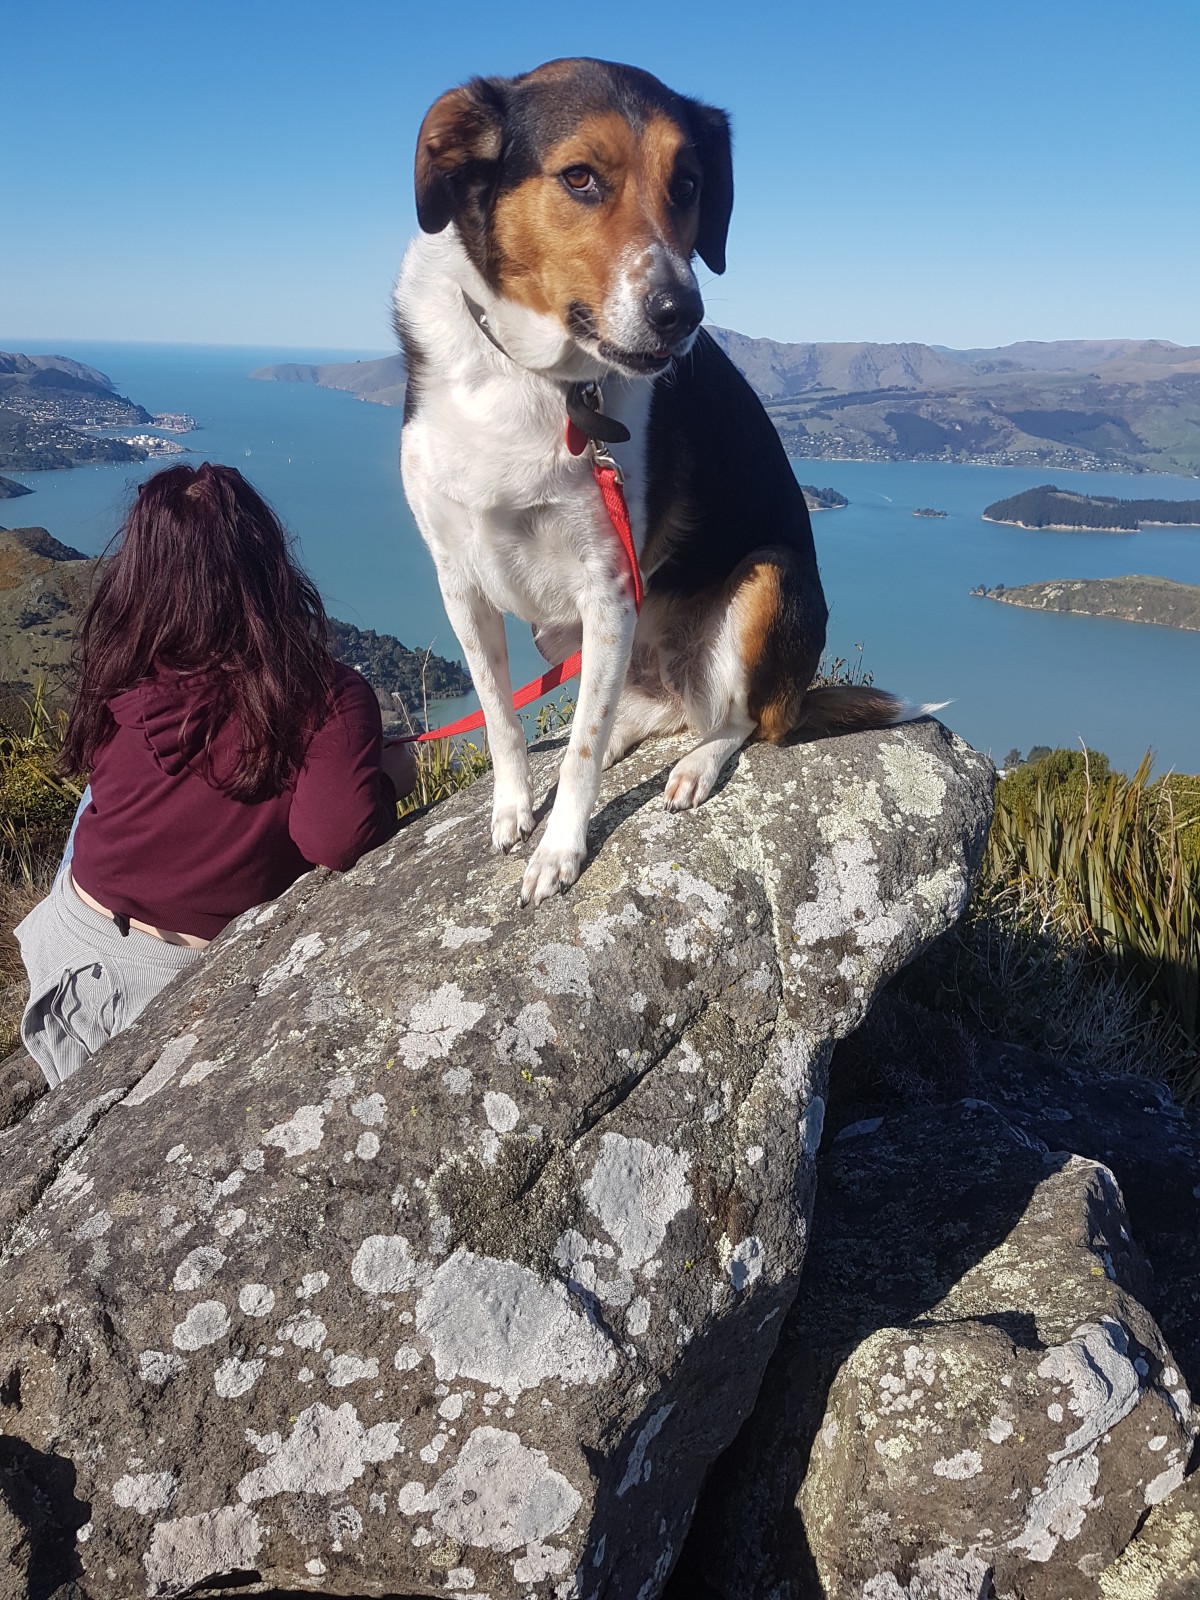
x=850 y=708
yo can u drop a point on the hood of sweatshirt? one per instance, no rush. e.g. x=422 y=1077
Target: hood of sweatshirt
x=174 y=710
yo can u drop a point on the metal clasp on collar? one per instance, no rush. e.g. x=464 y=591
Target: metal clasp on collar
x=585 y=412
x=603 y=460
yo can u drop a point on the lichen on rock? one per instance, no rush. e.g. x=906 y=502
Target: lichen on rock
x=461 y=1259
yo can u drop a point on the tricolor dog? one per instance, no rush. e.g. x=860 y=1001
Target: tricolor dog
x=560 y=213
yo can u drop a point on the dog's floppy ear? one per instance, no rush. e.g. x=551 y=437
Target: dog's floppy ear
x=712 y=143
x=458 y=152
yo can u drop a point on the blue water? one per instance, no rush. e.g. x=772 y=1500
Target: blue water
x=896 y=584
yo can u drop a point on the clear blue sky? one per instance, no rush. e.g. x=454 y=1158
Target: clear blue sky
x=963 y=174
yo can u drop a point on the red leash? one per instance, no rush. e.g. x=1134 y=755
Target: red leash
x=609 y=480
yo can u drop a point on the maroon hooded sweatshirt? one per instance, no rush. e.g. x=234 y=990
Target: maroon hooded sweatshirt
x=163 y=843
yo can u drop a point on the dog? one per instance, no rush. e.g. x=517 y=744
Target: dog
x=560 y=212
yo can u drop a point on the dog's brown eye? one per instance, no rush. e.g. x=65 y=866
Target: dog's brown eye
x=580 y=180
x=684 y=191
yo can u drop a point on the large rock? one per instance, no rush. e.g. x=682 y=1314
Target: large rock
x=417 y=1243
x=1150 y=1142
x=1163 y=1562
x=21 y=1085
x=969 y=1389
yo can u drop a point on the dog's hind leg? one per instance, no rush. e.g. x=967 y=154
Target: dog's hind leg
x=763 y=638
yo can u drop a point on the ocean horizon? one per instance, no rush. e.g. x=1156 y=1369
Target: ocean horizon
x=897 y=585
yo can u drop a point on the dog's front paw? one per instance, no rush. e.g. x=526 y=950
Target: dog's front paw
x=552 y=868
x=512 y=821
x=689 y=784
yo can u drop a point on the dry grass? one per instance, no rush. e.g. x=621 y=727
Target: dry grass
x=16 y=901
x=36 y=807
x=838 y=671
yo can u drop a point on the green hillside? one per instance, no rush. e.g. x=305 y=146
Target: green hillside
x=44 y=588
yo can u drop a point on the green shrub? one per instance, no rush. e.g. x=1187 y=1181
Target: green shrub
x=36 y=807
x=1066 y=772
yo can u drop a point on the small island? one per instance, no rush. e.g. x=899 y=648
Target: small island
x=1062 y=510
x=823 y=499
x=927 y=511
x=1159 y=601
x=10 y=488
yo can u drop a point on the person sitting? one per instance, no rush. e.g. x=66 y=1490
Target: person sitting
x=228 y=753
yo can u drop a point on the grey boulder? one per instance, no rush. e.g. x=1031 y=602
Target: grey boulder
x=414 y=1243
x=970 y=1396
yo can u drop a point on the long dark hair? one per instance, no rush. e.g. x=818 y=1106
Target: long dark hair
x=204 y=581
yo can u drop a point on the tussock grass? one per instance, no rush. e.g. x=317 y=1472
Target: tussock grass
x=1083 y=936
x=36 y=804
x=444 y=766
x=833 y=671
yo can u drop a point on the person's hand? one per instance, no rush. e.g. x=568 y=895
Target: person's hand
x=399 y=763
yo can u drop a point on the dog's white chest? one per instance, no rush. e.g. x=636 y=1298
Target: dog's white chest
x=507 y=511
x=503 y=505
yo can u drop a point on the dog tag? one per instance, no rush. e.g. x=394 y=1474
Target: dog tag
x=589 y=420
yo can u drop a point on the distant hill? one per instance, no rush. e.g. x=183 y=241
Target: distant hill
x=388 y=665
x=10 y=489
x=780 y=371
x=1050 y=507
x=1124 y=403
x=46 y=403
x=1132 y=599
x=382 y=382
x=1132 y=404
x=45 y=587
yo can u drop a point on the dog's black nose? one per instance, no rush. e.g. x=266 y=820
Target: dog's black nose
x=674 y=311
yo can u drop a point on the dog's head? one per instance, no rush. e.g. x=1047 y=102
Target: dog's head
x=581 y=191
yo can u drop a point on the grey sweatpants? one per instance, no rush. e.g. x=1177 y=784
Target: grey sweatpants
x=86 y=982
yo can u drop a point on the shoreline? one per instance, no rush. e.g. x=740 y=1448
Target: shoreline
x=1113 y=467
x=1069 y=527
x=1080 y=527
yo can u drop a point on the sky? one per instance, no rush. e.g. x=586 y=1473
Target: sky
x=961 y=174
